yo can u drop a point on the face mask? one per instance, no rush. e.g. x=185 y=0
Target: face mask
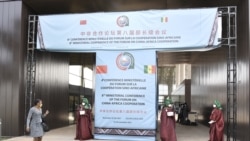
x=83 y=103
x=214 y=106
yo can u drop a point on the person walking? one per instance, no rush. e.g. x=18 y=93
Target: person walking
x=34 y=120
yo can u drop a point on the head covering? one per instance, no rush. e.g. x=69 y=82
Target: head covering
x=217 y=104
x=167 y=101
x=86 y=102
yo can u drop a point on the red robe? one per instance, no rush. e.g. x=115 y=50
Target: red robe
x=83 y=125
x=167 y=126
x=216 y=128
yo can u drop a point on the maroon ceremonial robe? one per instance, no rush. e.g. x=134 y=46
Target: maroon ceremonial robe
x=167 y=126
x=83 y=124
x=216 y=128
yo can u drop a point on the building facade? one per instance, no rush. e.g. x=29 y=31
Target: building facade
x=208 y=75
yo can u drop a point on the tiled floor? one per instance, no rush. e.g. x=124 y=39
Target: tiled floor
x=184 y=133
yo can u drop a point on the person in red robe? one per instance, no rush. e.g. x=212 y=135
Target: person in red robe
x=167 y=123
x=216 y=122
x=83 y=121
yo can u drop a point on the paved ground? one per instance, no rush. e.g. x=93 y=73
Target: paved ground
x=184 y=133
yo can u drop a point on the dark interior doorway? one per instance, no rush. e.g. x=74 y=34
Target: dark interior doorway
x=81 y=81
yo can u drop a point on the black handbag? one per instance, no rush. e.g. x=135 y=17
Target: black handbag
x=45 y=126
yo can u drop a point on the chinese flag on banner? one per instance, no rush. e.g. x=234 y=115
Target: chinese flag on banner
x=83 y=22
x=101 y=69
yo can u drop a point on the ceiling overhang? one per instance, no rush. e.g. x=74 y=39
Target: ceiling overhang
x=40 y=7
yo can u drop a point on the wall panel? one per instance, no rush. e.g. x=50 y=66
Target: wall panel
x=52 y=86
x=243 y=71
x=209 y=81
x=10 y=68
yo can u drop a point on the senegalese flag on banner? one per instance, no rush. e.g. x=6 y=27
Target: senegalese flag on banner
x=164 y=19
x=149 y=69
x=101 y=69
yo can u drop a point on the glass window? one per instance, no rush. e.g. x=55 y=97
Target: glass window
x=88 y=83
x=71 y=103
x=163 y=89
x=75 y=75
x=88 y=73
x=75 y=80
x=80 y=76
x=76 y=70
x=161 y=99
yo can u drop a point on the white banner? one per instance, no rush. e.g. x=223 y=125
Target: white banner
x=125 y=95
x=182 y=29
